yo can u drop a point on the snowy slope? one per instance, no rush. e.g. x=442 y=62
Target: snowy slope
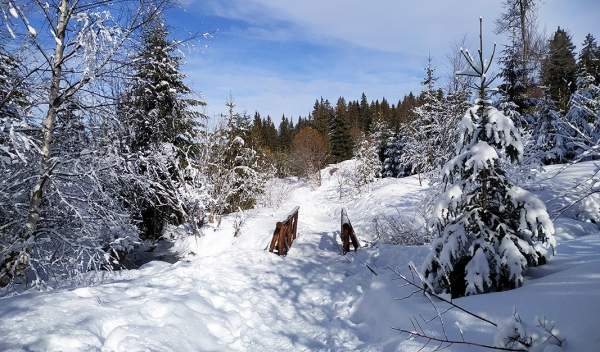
x=232 y=295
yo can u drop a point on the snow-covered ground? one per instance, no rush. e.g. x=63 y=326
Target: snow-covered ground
x=233 y=295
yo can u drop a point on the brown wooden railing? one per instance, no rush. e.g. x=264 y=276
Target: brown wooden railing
x=285 y=233
x=347 y=233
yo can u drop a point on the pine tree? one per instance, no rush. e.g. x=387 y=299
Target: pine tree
x=549 y=134
x=381 y=135
x=589 y=58
x=340 y=141
x=365 y=113
x=368 y=165
x=162 y=124
x=559 y=69
x=286 y=128
x=425 y=129
x=394 y=164
x=582 y=120
x=513 y=73
x=236 y=172
x=490 y=231
x=320 y=116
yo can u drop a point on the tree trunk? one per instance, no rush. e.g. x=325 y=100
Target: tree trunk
x=15 y=263
x=523 y=17
x=54 y=102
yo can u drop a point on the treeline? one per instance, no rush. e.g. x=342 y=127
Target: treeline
x=536 y=86
x=346 y=122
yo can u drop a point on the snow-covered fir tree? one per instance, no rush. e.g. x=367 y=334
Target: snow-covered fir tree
x=489 y=230
x=548 y=137
x=432 y=133
x=513 y=89
x=340 y=141
x=394 y=164
x=368 y=165
x=589 y=58
x=162 y=125
x=382 y=135
x=236 y=172
x=420 y=150
x=582 y=120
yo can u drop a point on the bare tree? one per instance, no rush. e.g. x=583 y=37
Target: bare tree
x=518 y=16
x=88 y=55
x=309 y=152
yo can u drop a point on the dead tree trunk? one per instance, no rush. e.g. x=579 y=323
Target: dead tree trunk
x=285 y=233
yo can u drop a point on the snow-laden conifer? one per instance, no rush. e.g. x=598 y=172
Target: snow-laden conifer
x=582 y=120
x=489 y=230
x=368 y=165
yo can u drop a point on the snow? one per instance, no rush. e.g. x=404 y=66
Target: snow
x=12 y=11
x=477 y=273
x=232 y=295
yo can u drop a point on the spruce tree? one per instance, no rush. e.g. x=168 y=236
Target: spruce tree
x=321 y=116
x=285 y=133
x=159 y=112
x=421 y=150
x=582 y=120
x=340 y=141
x=513 y=88
x=365 y=113
x=589 y=58
x=236 y=172
x=549 y=135
x=489 y=230
x=559 y=69
x=368 y=165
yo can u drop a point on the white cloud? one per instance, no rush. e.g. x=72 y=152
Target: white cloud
x=361 y=31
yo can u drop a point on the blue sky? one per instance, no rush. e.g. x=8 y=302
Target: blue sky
x=278 y=56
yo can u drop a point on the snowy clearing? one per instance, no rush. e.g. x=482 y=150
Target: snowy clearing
x=232 y=295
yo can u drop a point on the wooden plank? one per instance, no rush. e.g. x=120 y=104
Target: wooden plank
x=285 y=233
x=347 y=233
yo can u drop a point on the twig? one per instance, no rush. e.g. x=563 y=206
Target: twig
x=457 y=342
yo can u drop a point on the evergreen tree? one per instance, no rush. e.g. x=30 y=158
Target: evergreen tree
x=340 y=141
x=365 y=113
x=559 y=69
x=368 y=165
x=490 y=231
x=285 y=133
x=236 y=172
x=381 y=135
x=162 y=124
x=589 y=58
x=321 y=116
x=159 y=107
x=582 y=120
x=513 y=73
x=394 y=164
x=257 y=132
x=548 y=137
x=422 y=144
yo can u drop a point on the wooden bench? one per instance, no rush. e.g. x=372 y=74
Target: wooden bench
x=285 y=233
x=347 y=233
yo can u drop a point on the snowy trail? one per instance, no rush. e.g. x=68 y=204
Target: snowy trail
x=235 y=296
